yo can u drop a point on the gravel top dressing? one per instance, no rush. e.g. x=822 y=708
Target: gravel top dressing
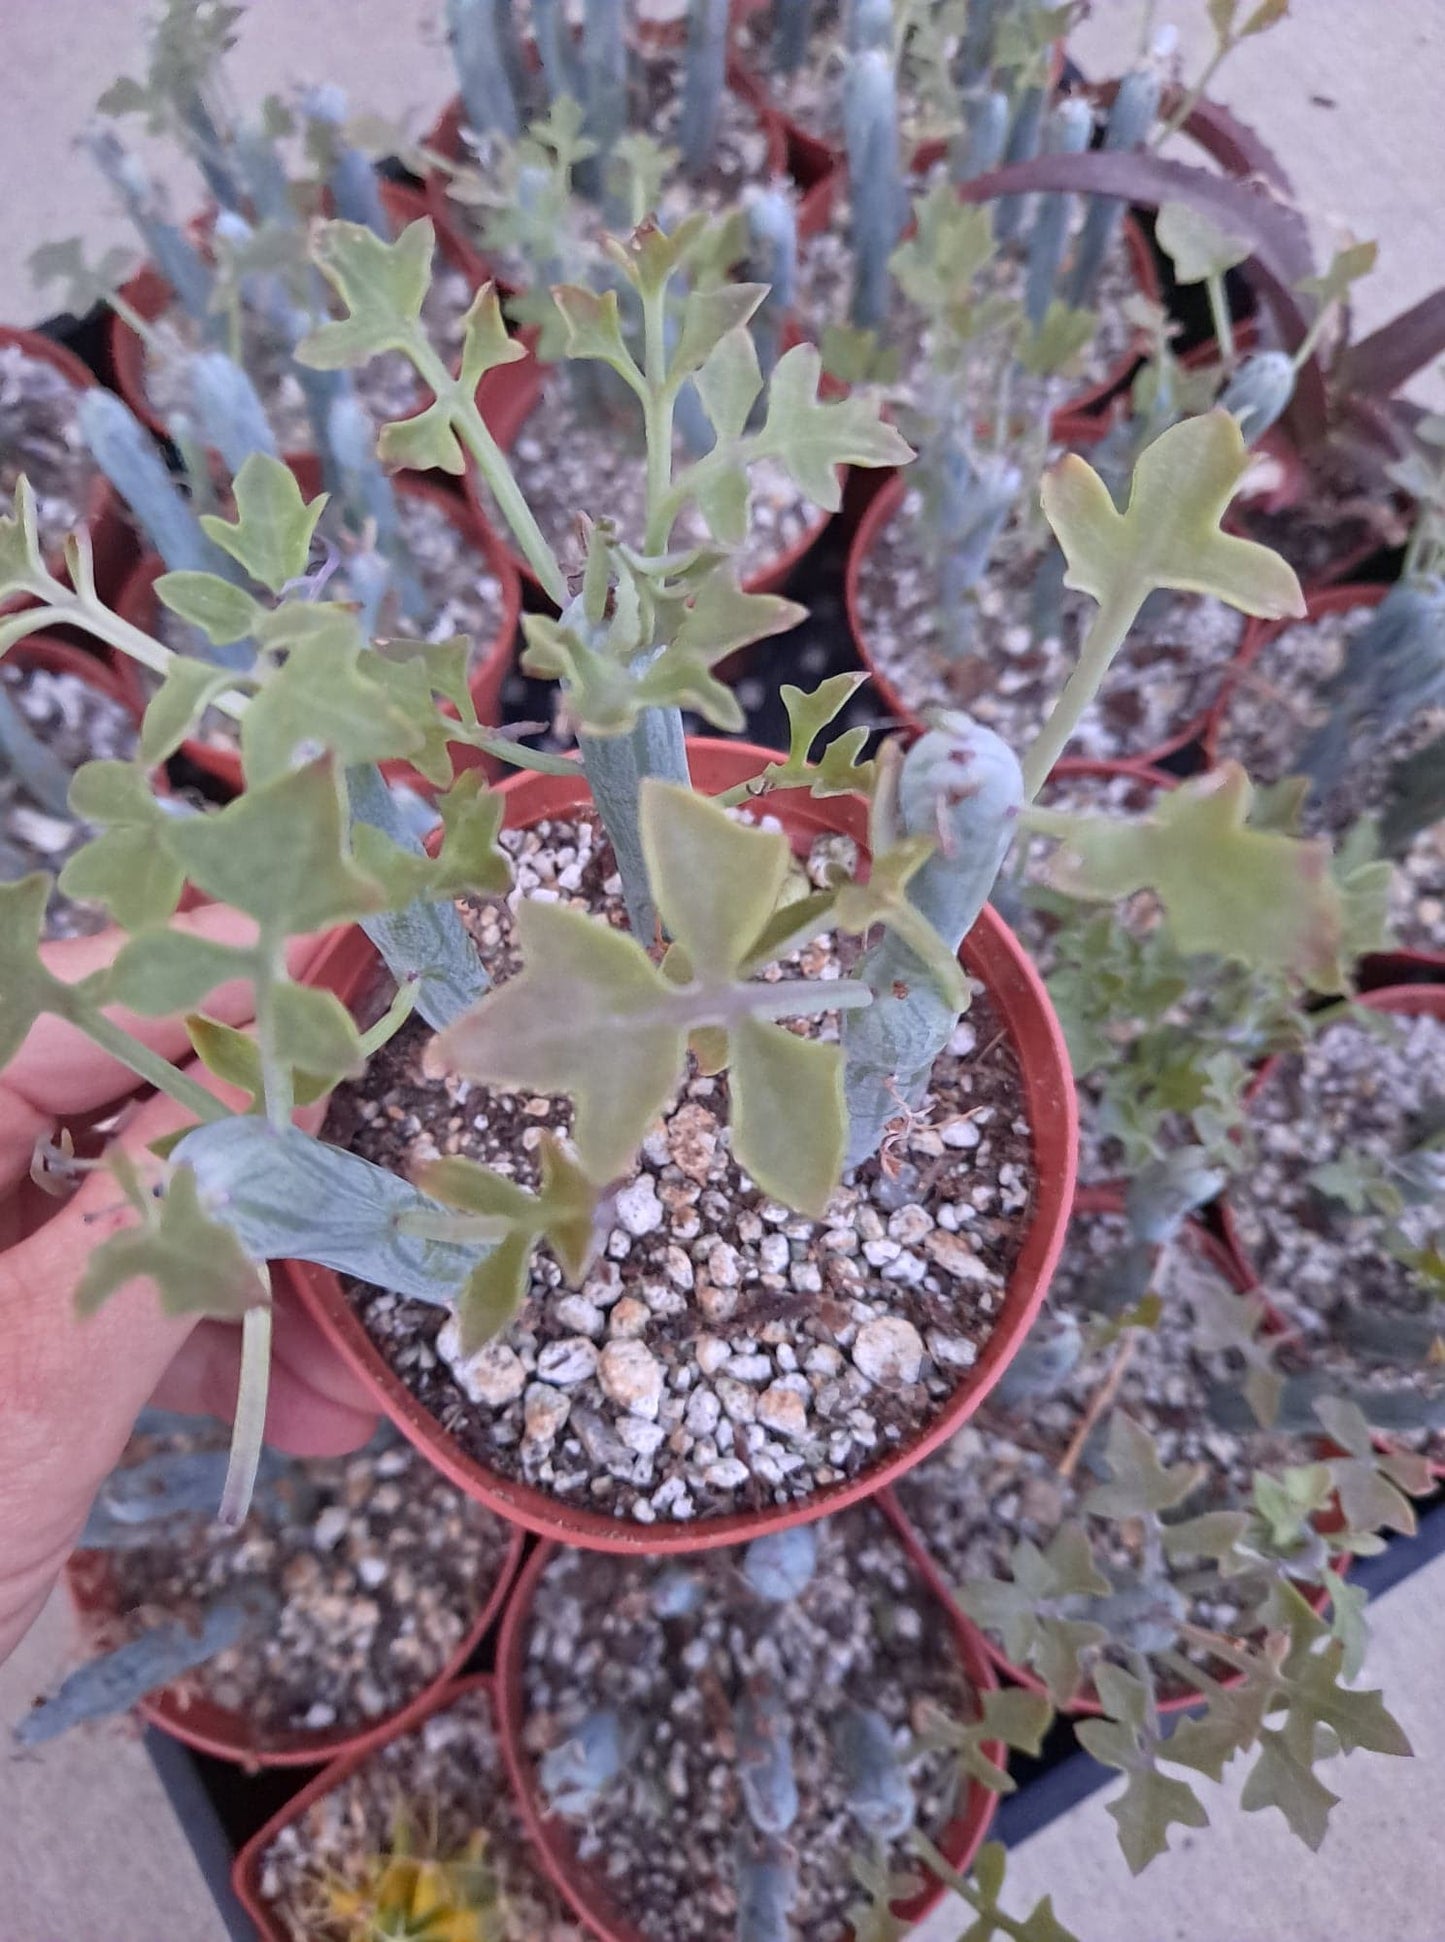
x=1168 y=672
x=568 y=461
x=378 y=1564
x=40 y=437
x=388 y=386
x=693 y=1661
x=724 y=1354
x=1275 y=709
x=998 y=1481
x=445 y=1776
x=1361 y=1097
x=78 y=724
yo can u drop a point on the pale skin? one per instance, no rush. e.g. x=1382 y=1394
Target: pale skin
x=70 y=1390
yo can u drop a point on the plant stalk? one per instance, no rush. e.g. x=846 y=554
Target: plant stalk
x=1105 y=637
x=146 y=1064
x=249 y=1427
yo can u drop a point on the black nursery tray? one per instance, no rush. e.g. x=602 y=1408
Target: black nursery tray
x=219 y=1807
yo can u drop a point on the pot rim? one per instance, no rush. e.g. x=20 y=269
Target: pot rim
x=148 y=294
x=222 y=1732
x=991 y=952
x=876 y=515
x=246 y=1867
x=580 y=1884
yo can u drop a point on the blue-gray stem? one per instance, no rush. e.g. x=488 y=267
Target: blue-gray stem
x=168 y=247
x=604 y=55
x=772 y=259
x=1022 y=146
x=975 y=54
x=704 y=78
x=38 y=770
x=476 y=32
x=355 y=189
x=1259 y=392
x=426 y=943
x=961 y=784
x=792 y=24
x=232 y=418
x=1067 y=133
x=980 y=148
x=875 y=182
x=1131 y=117
x=616 y=766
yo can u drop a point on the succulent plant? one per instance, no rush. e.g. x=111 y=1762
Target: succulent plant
x=414 y=1894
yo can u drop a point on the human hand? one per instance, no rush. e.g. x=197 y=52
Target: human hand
x=70 y=1390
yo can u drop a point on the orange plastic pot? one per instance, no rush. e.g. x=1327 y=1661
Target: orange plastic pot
x=884 y=505
x=583 y=1886
x=1400 y=1001
x=445 y=138
x=507 y=397
x=1383 y=968
x=150 y=296
x=138 y=604
x=102 y=515
x=228 y=1735
x=348 y=965
x=246 y=1869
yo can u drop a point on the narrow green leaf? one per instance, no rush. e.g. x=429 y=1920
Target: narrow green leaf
x=707 y=317
x=730 y=383
x=495 y=1292
x=183 y=697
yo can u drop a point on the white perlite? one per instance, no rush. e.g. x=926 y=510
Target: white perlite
x=631 y=1377
x=889 y=1351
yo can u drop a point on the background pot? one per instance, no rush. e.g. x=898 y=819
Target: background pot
x=1400 y=1001
x=1381 y=968
x=445 y=137
x=150 y=296
x=1110 y=1200
x=246 y=1870
x=885 y=504
x=507 y=397
x=581 y=1885
x=227 y=1735
x=102 y=515
x=138 y=604
x=349 y=967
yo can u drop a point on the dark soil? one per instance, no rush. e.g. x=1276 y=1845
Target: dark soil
x=723 y=1354
x=446 y=1779
x=667 y=1833
x=78 y=724
x=379 y=1567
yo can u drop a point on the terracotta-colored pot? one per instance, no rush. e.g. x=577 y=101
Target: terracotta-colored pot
x=348 y=966
x=102 y=515
x=138 y=605
x=509 y=394
x=581 y=1884
x=445 y=137
x=1109 y=1199
x=1381 y=968
x=227 y=1735
x=1401 y=1001
x=879 y=511
x=150 y=296
x=246 y=1869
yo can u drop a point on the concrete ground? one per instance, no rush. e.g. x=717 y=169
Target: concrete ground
x=1350 y=97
